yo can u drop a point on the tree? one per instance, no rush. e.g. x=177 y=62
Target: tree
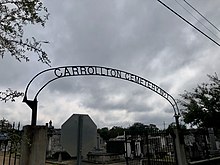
x=4 y=125
x=104 y=133
x=141 y=128
x=14 y=16
x=201 y=107
x=137 y=127
x=116 y=131
x=8 y=132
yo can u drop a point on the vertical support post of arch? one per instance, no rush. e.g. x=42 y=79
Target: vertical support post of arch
x=177 y=121
x=33 y=105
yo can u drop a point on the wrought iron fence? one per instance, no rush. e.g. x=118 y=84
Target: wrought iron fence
x=10 y=140
x=196 y=144
x=150 y=148
x=200 y=144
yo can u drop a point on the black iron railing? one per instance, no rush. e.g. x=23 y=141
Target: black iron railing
x=150 y=148
x=10 y=142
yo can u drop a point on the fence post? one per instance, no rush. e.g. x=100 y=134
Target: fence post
x=212 y=139
x=180 y=150
x=33 y=147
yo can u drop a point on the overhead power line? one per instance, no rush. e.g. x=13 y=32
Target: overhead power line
x=188 y=22
x=202 y=15
x=197 y=20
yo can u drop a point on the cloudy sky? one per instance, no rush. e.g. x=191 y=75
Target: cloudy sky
x=137 y=36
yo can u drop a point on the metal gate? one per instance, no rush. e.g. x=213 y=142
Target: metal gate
x=150 y=148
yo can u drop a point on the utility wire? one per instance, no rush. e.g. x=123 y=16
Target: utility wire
x=197 y=20
x=188 y=22
x=201 y=15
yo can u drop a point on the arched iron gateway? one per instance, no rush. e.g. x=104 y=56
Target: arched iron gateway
x=68 y=71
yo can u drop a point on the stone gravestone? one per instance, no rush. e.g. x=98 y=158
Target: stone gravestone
x=79 y=132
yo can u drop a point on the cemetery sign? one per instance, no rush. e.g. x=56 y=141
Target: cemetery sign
x=68 y=71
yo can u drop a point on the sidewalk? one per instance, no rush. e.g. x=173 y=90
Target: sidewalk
x=74 y=162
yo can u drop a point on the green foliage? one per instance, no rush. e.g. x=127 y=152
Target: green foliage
x=14 y=16
x=202 y=106
x=115 y=131
x=104 y=133
x=139 y=127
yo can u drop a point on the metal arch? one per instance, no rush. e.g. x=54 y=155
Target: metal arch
x=66 y=73
x=27 y=87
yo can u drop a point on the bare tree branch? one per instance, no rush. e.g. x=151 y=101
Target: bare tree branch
x=10 y=95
